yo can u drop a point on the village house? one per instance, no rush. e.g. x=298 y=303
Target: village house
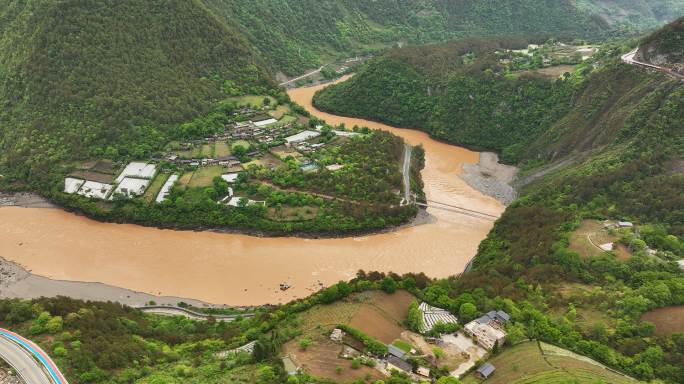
x=625 y=224
x=423 y=371
x=681 y=264
x=398 y=364
x=488 y=330
x=394 y=351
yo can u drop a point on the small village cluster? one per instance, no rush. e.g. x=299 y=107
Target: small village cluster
x=484 y=332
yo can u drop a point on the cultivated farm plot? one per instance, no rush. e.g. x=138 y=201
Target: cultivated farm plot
x=666 y=319
x=94 y=176
x=207 y=150
x=105 y=166
x=185 y=179
x=221 y=149
x=321 y=359
x=372 y=322
x=329 y=315
x=244 y=143
x=204 y=177
x=154 y=188
x=270 y=161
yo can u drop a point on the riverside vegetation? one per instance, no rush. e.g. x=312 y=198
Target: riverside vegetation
x=587 y=306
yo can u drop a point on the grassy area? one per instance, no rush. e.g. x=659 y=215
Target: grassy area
x=403 y=346
x=279 y=111
x=203 y=177
x=154 y=187
x=287 y=213
x=283 y=121
x=207 y=150
x=221 y=149
x=251 y=99
x=524 y=363
x=244 y=143
x=185 y=179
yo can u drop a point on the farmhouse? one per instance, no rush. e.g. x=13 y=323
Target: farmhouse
x=423 y=371
x=398 y=364
x=485 y=371
x=625 y=224
x=488 y=330
x=394 y=351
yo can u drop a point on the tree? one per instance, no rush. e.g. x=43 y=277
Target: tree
x=356 y=363
x=267 y=101
x=409 y=283
x=414 y=317
x=388 y=285
x=331 y=294
x=495 y=348
x=54 y=325
x=467 y=312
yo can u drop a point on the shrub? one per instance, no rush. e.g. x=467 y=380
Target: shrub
x=60 y=352
x=355 y=363
x=438 y=352
x=66 y=336
x=304 y=344
x=36 y=330
x=76 y=344
x=479 y=362
x=54 y=325
x=339 y=369
x=57 y=344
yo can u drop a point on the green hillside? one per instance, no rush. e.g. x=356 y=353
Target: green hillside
x=298 y=34
x=81 y=76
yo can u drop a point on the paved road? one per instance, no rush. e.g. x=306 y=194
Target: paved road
x=175 y=311
x=407 y=166
x=303 y=76
x=30 y=362
x=629 y=59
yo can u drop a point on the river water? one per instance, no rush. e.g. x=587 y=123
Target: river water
x=244 y=270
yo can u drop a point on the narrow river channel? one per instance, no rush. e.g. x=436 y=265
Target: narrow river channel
x=244 y=270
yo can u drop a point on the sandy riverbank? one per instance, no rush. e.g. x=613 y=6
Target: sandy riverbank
x=24 y=199
x=491 y=178
x=15 y=281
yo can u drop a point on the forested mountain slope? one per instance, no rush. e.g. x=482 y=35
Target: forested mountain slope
x=295 y=34
x=81 y=76
x=460 y=92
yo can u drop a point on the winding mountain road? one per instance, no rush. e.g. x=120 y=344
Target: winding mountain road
x=30 y=362
x=629 y=59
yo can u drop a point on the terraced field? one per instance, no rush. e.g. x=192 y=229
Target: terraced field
x=524 y=364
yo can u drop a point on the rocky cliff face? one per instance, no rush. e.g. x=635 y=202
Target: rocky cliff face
x=665 y=46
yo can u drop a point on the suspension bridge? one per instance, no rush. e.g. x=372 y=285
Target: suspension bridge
x=461 y=210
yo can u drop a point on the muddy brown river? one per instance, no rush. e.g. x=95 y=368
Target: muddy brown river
x=244 y=270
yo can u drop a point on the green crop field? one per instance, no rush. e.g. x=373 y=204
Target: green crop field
x=524 y=364
x=403 y=346
x=204 y=177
